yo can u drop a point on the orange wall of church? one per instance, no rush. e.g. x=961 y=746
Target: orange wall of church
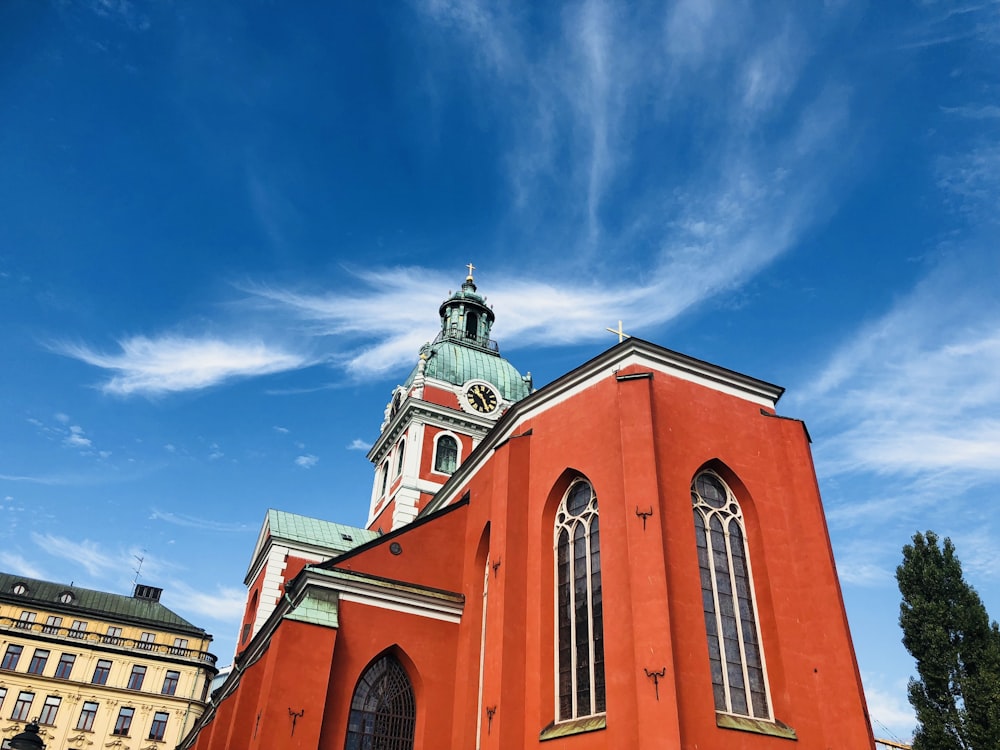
x=425 y=648
x=640 y=442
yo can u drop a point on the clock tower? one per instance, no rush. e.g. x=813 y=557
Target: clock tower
x=456 y=392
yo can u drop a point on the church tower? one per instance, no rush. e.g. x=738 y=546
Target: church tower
x=458 y=389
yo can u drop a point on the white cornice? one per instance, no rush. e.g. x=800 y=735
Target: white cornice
x=444 y=417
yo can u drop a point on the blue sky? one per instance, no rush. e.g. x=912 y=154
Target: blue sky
x=226 y=228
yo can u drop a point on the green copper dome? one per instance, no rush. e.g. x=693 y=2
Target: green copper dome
x=464 y=351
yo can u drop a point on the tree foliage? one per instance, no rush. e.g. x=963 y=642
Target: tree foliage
x=956 y=694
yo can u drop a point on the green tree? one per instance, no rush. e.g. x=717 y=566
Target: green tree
x=956 y=694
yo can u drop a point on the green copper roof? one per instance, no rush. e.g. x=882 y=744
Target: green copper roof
x=319 y=607
x=454 y=363
x=335 y=536
x=90 y=603
x=463 y=349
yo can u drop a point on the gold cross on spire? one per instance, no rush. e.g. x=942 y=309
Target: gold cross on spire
x=471 y=269
x=621 y=334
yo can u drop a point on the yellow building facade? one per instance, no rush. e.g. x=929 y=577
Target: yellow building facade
x=96 y=669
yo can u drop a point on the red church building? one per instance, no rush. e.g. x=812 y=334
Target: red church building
x=632 y=556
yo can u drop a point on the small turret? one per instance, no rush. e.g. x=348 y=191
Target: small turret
x=465 y=317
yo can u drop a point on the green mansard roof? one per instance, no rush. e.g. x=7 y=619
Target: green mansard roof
x=91 y=603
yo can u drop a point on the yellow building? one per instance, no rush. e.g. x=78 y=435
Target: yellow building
x=96 y=669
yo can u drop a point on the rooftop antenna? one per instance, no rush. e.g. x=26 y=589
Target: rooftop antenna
x=136 y=570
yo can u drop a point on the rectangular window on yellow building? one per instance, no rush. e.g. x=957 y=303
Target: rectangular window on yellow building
x=11 y=656
x=87 y=715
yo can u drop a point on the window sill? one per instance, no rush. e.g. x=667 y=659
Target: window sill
x=573 y=726
x=758 y=726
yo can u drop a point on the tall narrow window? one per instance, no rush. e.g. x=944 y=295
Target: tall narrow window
x=579 y=608
x=446 y=455
x=135 y=679
x=87 y=715
x=49 y=710
x=38 y=661
x=734 y=652
x=385 y=478
x=159 y=725
x=23 y=706
x=65 y=666
x=400 y=454
x=383 y=710
x=471 y=325
x=101 y=672
x=124 y=721
x=170 y=682
x=12 y=656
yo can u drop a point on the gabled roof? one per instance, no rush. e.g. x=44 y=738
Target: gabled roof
x=631 y=351
x=90 y=603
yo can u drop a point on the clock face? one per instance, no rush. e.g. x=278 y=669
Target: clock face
x=482 y=398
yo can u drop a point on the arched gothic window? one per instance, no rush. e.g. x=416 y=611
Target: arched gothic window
x=385 y=478
x=734 y=651
x=579 y=609
x=446 y=455
x=383 y=709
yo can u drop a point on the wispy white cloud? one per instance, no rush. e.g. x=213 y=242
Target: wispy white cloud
x=282 y=430
x=15 y=562
x=306 y=461
x=193 y=522
x=54 y=480
x=359 y=445
x=915 y=392
x=89 y=555
x=579 y=111
x=76 y=438
x=154 y=366
x=223 y=604
x=892 y=716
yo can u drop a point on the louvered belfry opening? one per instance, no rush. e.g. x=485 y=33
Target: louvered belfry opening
x=383 y=709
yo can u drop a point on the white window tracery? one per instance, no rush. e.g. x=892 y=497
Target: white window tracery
x=579 y=625
x=735 y=656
